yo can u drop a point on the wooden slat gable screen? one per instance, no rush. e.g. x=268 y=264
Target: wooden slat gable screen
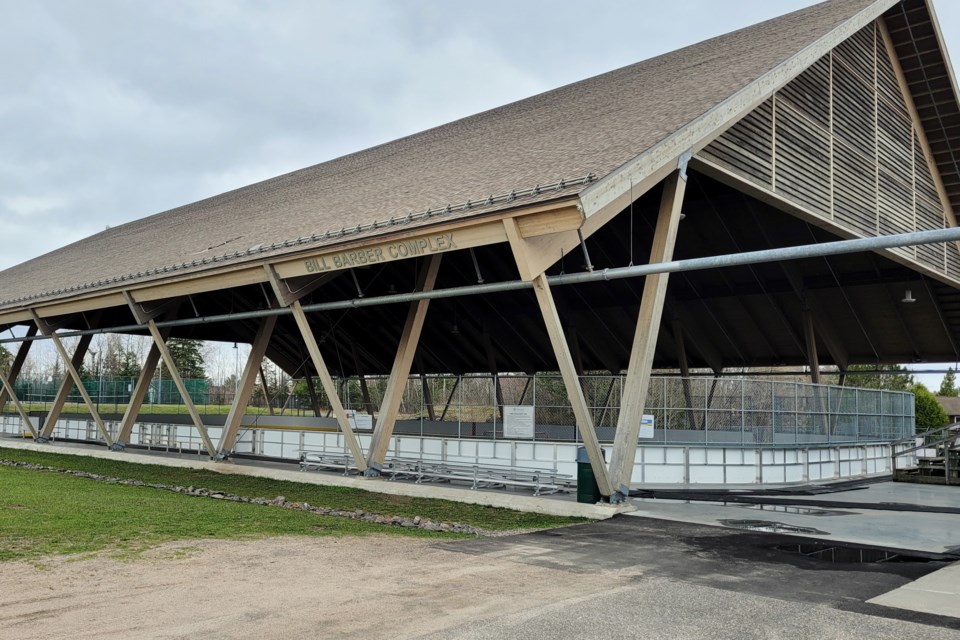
x=839 y=142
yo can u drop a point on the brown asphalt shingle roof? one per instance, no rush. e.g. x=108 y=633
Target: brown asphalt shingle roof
x=589 y=127
x=950 y=404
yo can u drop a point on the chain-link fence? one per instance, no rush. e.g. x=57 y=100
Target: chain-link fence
x=698 y=410
x=684 y=410
x=111 y=395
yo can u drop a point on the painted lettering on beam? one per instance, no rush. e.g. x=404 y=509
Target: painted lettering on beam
x=381 y=253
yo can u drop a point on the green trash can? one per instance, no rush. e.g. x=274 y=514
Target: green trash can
x=587 y=489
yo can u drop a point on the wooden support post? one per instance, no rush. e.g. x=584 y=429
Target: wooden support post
x=17 y=364
x=266 y=390
x=5 y=383
x=684 y=371
x=281 y=289
x=606 y=400
x=446 y=406
x=174 y=374
x=574 y=341
x=427 y=397
x=571 y=381
x=401 y=367
x=365 y=394
x=492 y=365
x=48 y=330
x=645 y=338
x=66 y=386
x=498 y=394
x=248 y=380
x=809 y=337
x=527 y=258
x=314 y=399
x=329 y=387
x=139 y=393
x=364 y=389
x=169 y=310
x=694 y=336
x=526 y=387
x=291 y=299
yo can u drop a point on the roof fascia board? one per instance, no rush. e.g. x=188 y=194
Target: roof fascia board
x=532 y=219
x=200 y=283
x=16 y=317
x=92 y=303
x=703 y=130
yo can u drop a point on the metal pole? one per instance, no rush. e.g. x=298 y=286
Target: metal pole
x=880 y=417
x=533 y=381
x=99 y=379
x=838 y=247
x=495 y=405
x=706 y=416
x=663 y=395
x=857 y=409
x=796 y=417
x=743 y=410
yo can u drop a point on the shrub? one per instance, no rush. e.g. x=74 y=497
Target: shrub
x=929 y=413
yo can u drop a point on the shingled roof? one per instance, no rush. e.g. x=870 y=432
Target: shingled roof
x=571 y=139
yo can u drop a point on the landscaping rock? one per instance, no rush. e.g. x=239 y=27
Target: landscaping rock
x=280 y=501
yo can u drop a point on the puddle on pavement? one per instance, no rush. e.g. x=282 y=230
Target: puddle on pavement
x=847 y=554
x=772 y=508
x=797 y=511
x=766 y=526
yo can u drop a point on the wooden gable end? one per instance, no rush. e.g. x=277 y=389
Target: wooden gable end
x=841 y=143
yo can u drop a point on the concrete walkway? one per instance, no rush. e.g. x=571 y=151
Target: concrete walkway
x=549 y=505
x=937 y=593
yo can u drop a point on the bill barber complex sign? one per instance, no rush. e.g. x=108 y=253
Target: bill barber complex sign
x=381 y=253
x=400 y=249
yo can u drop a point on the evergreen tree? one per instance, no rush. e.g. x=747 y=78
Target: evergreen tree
x=949 y=385
x=5 y=357
x=188 y=356
x=892 y=377
x=128 y=365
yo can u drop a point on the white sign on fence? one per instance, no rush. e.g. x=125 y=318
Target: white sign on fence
x=359 y=420
x=517 y=422
x=646 y=426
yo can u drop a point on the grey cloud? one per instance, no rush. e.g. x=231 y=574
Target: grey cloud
x=116 y=110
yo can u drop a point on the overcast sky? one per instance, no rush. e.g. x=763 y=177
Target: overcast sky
x=113 y=110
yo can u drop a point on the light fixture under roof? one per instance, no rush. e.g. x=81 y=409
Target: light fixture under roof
x=908 y=296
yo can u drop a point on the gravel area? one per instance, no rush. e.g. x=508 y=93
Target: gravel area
x=385 y=587
x=370 y=587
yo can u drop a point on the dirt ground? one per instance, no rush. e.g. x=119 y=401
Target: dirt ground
x=372 y=587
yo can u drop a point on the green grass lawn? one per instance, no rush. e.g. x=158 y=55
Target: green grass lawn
x=342 y=498
x=47 y=513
